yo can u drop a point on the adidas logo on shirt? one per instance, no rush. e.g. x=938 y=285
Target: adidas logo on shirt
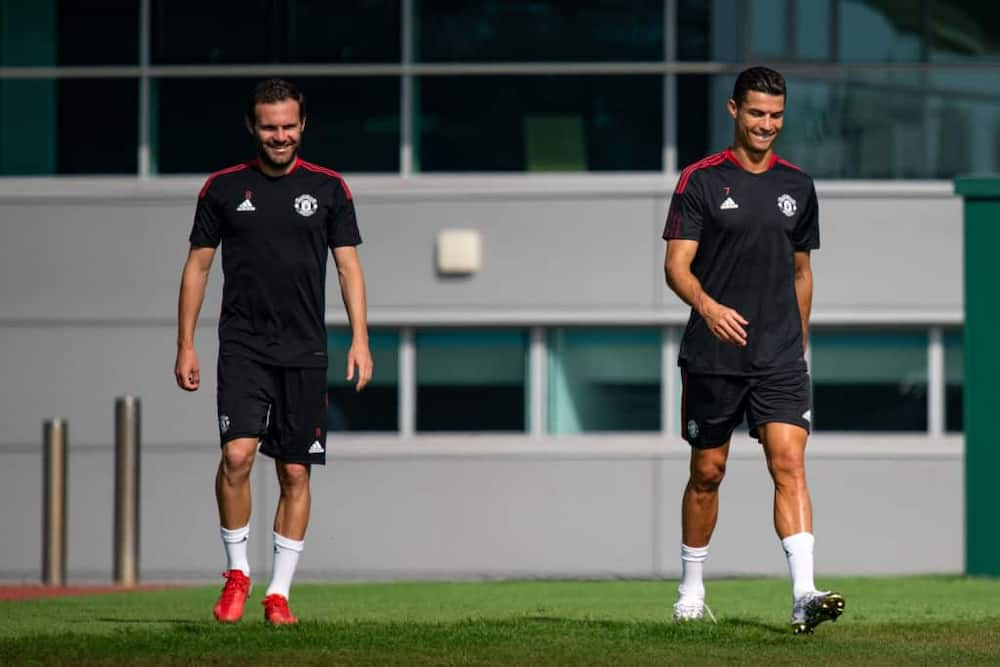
x=247 y=205
x=728 y=204
x=316 y=448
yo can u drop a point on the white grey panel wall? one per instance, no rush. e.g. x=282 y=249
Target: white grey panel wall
x=557 y=252
x=76 y=372
x=605 y=507
x=590 y=244
x=888 y=257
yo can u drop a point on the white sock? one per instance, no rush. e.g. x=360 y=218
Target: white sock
x=799 y=552
x=235 y=542
x=692 y=560
x=286 y=558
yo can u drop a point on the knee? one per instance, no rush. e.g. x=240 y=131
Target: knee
x=787 y=468
x=293 y=478
x=707 y=476
x=236 y=463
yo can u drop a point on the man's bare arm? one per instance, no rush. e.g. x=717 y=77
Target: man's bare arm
x=194 y=278
x=725 y=323
x=804 y=292
x=352 y=290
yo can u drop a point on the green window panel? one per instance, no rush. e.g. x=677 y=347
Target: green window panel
x=869 y=381
x=540 y=123
x=471 y=380
x=376 y=408
x=604 y=379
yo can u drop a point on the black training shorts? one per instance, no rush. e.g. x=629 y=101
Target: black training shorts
x=284 y=407
x=712 y=406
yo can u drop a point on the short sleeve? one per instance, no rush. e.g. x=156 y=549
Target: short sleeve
x=686 y=215
x=805 y=235
x=207 y=229
x=342 y=223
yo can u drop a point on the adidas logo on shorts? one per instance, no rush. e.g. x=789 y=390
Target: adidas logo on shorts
x=316 y=448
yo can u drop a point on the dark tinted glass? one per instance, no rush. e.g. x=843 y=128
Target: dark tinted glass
x=68 y=126
x=869 y=381
x=266 y=31
x=954 y=377
x=98 y=32
x=376 y=407
x=540 y=30
x=540 y=123
x=471 y=380
x=353 y=123
x=965 y=30
x=69 y=32
x=881 y=31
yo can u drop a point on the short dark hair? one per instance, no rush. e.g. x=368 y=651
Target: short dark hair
x=270 y=91
x=759 y=79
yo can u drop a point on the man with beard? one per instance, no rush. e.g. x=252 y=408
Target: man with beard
x=739 y=232
x=275 y=217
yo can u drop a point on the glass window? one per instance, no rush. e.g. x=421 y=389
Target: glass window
x=604 y=379
x=954 y=378
x=68 y=126
x=98 y=32
x=869 y=381
x=878 y=31
x=769 y=28
x=27 y=34
x=964 y=30
x=265 y=31
x=694 y=30
x=471 y=380
x=871 y=124
x=69 y=32
x=376 y=408
x=540 y=123
x=353 y=123
x=539 y=30
x=812 y=29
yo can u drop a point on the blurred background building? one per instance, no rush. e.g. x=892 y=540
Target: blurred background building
x=524 y=415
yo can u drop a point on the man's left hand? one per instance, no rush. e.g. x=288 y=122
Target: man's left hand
x=360 y=358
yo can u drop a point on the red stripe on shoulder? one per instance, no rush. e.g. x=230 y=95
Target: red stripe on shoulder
x=788 y=164
x=710 y=161
x=227 y=170
x=315 y=168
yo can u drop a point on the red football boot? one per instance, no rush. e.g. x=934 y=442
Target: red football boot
x=276 y=611
x=229 y=608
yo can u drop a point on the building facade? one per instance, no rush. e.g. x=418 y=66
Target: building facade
x=524 y=417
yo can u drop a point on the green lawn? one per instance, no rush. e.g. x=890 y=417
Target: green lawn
x=946 y=620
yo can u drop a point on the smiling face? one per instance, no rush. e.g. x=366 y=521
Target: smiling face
x=758 y=119
x=278 y=128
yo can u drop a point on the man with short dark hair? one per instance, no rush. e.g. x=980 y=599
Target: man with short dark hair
x=275 y=218
x=739 y=232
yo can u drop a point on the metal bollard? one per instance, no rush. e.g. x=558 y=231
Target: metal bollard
x=54 y=444
x=126 y=528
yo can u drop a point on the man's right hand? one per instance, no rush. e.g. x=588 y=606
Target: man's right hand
x=726 y=324
x=186 y=370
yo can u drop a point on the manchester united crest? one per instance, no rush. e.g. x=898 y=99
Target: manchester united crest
x=305 y=205
x=787 y=205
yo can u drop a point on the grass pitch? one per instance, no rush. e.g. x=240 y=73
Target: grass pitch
x=943 y=620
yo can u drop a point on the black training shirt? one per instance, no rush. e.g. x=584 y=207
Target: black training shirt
x=748 y=227
x=275 y=233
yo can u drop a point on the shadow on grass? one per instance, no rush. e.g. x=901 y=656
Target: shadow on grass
x=757 y=625
x=158 y=621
